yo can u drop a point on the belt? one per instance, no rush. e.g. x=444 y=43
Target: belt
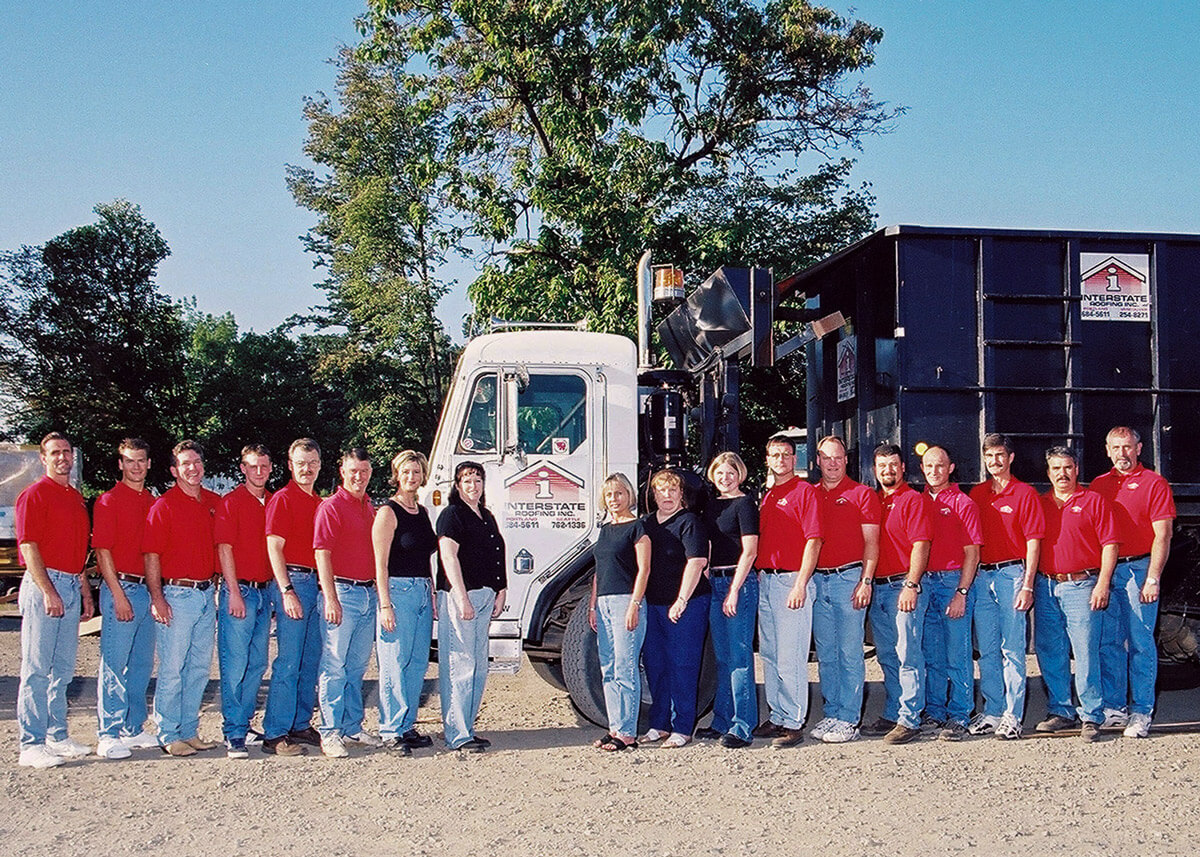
x=187 y=583
x=1076 y=575
x=891 y=578
x=255 y=584
x=777 y=570
x=723 y=570
x=992 y=566
x=350 y=581
x=301 y=569
x=840 y=568
x=130 y=578
x=1132 y=558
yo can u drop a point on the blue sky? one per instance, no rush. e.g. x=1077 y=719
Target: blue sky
x=1077 y=115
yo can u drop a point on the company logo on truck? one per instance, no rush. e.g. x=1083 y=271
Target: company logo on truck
x=545 y=496
x=1115 y=287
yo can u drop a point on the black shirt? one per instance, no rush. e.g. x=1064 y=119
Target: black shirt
x=616 y=559
x=727 y=520
x=672 y=543
x=412 y=543
x=480 y=547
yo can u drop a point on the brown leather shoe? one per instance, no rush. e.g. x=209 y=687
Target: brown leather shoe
x=787 y=737
x=281 y=746
x=767 y=729
x=179 y=748
x=196 y=743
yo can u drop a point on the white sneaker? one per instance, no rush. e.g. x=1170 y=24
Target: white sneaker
x=841 y=732
x=38 y=756
x=1116 y=717
x=141 y=741
x=365 y=739
x=334 y=747
x=818 y=731
x=68 y=748
x=1139 y=726
x=1009 y=728
x=112 y=748
x=983 y=724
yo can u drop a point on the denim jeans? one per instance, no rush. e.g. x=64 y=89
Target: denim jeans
x=784 y=638
x=838 y=630
x=48 y=647
x=344 y=659
x=242 y=655
x=672 y=654
x=404 y=654
x=898 y=648
x=735 y=708
x=1064 y=624
x=949 y=661
x=126 y=662
x=462 y=663
x=185 y=652
x=1000 y=637
x=620 y=654
x=292 y=694
x=1129 y=673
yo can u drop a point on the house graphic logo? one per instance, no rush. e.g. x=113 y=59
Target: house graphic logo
x=545 y=496
x=1114 y=287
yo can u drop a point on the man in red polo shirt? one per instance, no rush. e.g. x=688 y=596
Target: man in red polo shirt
x=292 y=695
x=179 y=562
x=1145 y=514
x=789 y=543
x=898 y=603
x=1013 y=526
x=850 y=514
x=127 y=641
x=243 y=602
x=52 y=533
x=346 y=567
x=1076 y=567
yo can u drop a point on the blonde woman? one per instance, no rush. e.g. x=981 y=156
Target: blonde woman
x=616 y=612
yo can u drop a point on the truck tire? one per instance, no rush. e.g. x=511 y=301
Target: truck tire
x=581 y=672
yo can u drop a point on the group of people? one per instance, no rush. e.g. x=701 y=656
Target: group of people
x=340 y=577
x=939 y=573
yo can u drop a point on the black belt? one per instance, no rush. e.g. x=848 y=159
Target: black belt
x=187 y=583
x=840 y=568
x=301 y=569
x=992 y=566
x=1132 y=558
x=130 y=578
x=1071 y=576
x=350 y=581
x=255 y=584
x=777 y=570
x=891 y=578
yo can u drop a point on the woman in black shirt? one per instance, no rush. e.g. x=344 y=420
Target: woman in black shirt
x=404 y=542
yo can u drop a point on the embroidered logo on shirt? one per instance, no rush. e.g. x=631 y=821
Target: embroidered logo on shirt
x=1006 y=509
x=782 y=501
x=1076 y=508
x=1132 y=485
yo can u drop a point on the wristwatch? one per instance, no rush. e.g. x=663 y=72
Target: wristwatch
x=908 y=584
x=961 y=591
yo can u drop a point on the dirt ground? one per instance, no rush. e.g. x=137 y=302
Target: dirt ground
x=542 y=790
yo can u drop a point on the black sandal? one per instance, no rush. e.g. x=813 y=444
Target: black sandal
x=616 y=745
x=605 y=743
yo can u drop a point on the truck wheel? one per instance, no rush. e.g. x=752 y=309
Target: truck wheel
x=581 y=672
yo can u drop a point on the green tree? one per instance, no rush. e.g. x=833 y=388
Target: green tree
x=88 y=346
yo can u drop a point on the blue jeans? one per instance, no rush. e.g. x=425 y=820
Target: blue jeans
x=185 y=651
x=292 y=694
x=784 y=638
x=462 y=663
x=345 y=658
x=898 y=648
x=949 y=661
x=620 y=653
x=672 y=654
x=242 y=656
x=1064 y=624
x=404 y=654
x=48 y=647
x=735 y=708
x=1129 y=673
x=126 y=662
x=1000 y=634
x=838 y=629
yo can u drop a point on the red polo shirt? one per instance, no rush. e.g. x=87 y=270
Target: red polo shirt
x=844 y=510
x=1076 y=533
x=119 y=521
x=343 y=527
x=179 y=529
x=788 y=519
x=1010 y=519
x=906 y=521
x=1138 y=500
x=956 y=524
x=290 y=515
x=55 y=518
x=242 y=524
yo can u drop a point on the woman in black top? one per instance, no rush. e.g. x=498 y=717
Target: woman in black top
x=732 y=523
x=404 y=542
x=616 y=612
x=471 y=589
x=677 y=597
